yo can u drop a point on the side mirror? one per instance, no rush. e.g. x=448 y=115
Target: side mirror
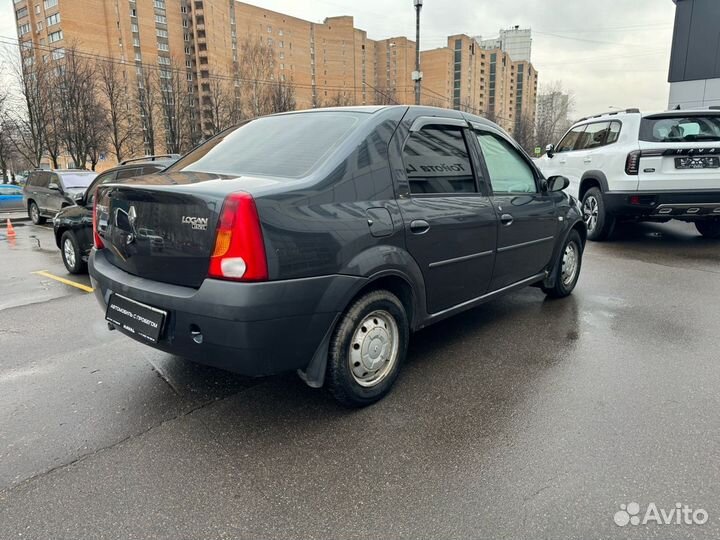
x=78 y=198
x=557 y=183
x=54 y=186
x=550 y=150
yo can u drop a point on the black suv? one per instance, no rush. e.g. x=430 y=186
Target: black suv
x=47 y=192
x=73 y=224
x=319 y=240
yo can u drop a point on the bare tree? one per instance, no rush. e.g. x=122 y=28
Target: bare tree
x=282 y=97
x=173 y=104
x=148 y=103
x=554 y=107
x=256 y=69
x=80 y=111
x=120 y=117
x=524 y=133
x=386 y=95
x=217 y=105
x=340 y=99
x=26 y=123
x=5 y=145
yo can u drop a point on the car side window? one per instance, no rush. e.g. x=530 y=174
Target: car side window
x=129 y=173
x=40 y=179
x=570 y=140
x=104 y=178
x=150 y=169
x=613 y=133
x=508 y=170
x=594 y=136
x=437 y=161
x=54 y=179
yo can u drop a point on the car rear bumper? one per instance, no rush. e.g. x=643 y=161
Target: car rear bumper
x=253 y=329
x=685 y=205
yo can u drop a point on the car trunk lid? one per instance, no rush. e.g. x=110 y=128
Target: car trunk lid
x=164 y=231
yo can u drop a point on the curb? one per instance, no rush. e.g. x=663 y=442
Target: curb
x=13 y=219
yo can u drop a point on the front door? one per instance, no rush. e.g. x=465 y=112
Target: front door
x=528 y=222
x=450 y=223
x=55 y=197
x=569 y=159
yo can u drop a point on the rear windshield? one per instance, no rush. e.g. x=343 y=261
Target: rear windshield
x=77 y=180
x=680 y=128
x=287 y=146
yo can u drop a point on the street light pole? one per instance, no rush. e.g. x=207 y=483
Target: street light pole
x=417 y=74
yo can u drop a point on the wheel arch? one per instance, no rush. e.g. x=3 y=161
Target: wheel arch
x=402 y=278
x=592 y=179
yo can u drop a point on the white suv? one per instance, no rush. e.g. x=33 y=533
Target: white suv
x=643 y=167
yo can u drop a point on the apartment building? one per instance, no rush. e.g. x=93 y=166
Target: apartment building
x=328 y=63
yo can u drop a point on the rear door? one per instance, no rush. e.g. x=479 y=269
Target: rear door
x=528 y=217
x=450 y=223
x=38 y=190
x=680 y=151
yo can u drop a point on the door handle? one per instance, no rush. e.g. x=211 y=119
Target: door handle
x=563 y=161
x=419 y=226
x=587 y=160
x=506 y=219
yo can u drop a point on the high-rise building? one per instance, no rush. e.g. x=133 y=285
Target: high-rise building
x=328 y=63
x=694 y=75
x=515 y=41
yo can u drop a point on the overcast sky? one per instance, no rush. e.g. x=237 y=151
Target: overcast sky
x=609 y=53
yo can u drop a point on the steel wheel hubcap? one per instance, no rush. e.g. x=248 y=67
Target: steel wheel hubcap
x=374 y=348
x=591 y=212
x=69 y=251
x=34 y=212
x=569 y=263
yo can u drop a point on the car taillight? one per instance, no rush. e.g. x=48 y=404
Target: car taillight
x=96 y=237
x=632 y=163
x=239 y=252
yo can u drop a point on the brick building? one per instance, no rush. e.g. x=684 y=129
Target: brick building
x=329 y=63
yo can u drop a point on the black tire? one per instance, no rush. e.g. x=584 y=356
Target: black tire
x=73 y=261
x=565 y=284
x=599 y=223
x=360 y=330
x=709 y=229
x=34 y=213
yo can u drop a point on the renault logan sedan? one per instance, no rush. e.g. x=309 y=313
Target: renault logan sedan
x=319 y=240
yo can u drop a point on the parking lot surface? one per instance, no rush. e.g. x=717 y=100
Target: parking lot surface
x=524 y=418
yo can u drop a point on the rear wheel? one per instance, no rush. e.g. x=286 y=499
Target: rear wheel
x=367 y=349
x=34 y=213
x=599 y=223
x=709 y=229
x=568 y=269
x=71 y=255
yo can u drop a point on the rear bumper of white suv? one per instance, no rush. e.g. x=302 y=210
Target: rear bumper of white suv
x=664 y=205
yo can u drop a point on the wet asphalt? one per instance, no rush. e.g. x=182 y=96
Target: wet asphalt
x=524 y=418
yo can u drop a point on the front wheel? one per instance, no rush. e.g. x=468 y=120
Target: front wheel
x=709 y=229
x=367 y=349
x=568 y=268
x=599 y=223
x=34 y=213
x=71 y=255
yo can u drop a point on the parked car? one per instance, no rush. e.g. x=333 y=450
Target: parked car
x=319 y=240
x=642 y=167
x=11 y=198
x=47 y=192
x=73 y=224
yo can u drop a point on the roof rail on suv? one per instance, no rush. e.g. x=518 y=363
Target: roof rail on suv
x=611 y=113
x=150 y=158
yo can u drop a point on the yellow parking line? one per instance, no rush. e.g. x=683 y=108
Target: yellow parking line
x=65 y=281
